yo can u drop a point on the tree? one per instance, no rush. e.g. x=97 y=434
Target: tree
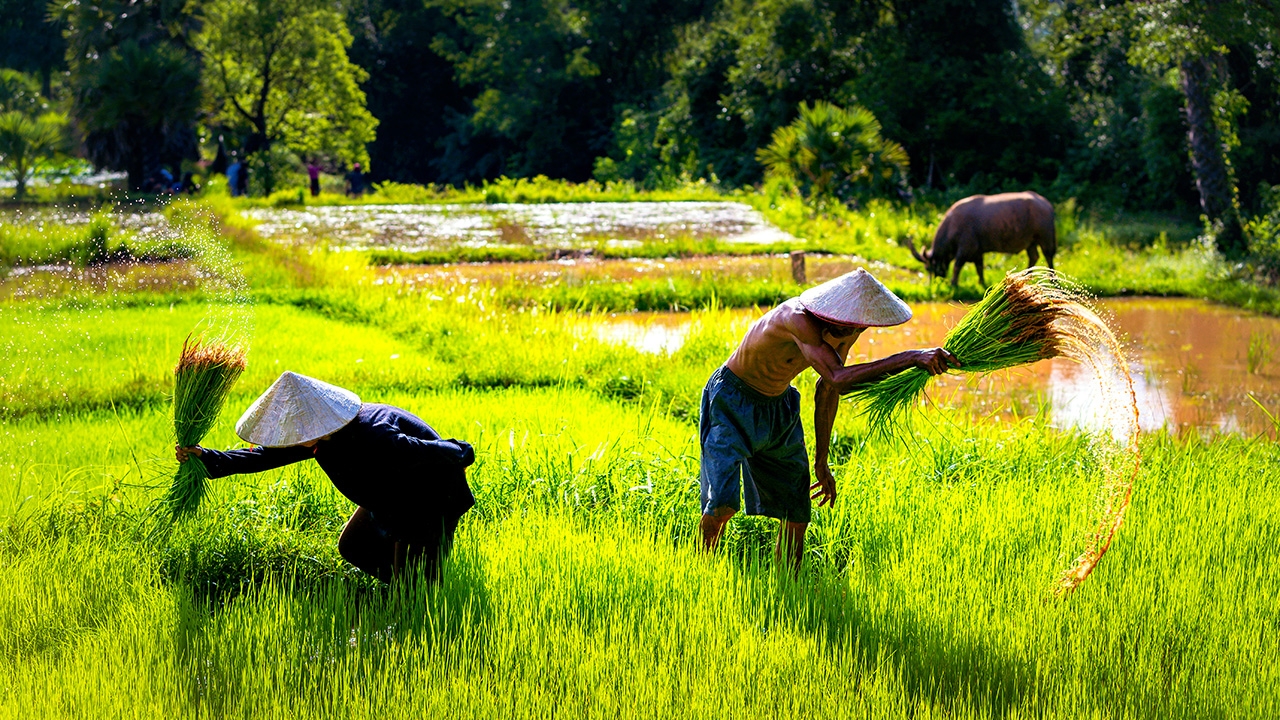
x=134 y=82
x=952 y=80
x=833 y=153
x=277 y=72
x=30 y=40
x=547 y=78
x=25 y=142
x=138 y=105
x=1194 y=39
x=411 y=88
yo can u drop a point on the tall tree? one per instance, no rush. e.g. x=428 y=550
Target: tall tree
x=952 y=80
x=1193 y=39
x=410 y=87
x=31 y=40
x=277 y=72
x=546 y=77
x=134 y=81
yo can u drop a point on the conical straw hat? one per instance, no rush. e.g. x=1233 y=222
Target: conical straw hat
x=296 y=409
x=855 y=298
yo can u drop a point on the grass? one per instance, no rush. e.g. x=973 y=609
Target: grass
x=575 y=587
x=925 y=591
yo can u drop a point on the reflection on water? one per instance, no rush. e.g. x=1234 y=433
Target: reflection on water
x=1194 y=365
x=559 y=225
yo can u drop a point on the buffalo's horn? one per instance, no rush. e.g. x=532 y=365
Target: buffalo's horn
x=916 y=253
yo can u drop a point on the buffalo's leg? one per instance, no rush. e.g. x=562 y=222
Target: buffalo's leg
x=977 y=265
x=1033 y=254
x=955 y=271
x=1048 y=258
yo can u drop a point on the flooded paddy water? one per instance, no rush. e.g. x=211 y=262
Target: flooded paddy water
x=552 y=226
x=1194 y=364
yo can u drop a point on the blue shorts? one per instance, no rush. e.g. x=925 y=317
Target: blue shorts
x=754 y=442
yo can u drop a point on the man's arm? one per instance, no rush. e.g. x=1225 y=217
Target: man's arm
x=239 y=462
x=826 y=400
x=824 y=360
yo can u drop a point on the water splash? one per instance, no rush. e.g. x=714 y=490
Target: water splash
x=1114 y=443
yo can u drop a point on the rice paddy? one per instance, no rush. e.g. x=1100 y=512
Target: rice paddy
x=575 y=587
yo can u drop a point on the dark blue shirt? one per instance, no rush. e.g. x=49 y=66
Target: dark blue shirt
x=386 y=460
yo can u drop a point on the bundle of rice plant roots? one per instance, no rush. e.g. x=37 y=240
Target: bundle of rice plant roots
x=1021 y=320
x=203 y=379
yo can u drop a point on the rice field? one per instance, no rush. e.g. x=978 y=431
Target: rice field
x=575 y=587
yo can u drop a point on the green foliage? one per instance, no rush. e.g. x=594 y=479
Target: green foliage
x=1263 y=232
x=277 y=73
x=836 y=154
x=21 y=92
x=135 y=85
x=26 y=143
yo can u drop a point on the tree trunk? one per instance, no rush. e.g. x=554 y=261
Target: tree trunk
x=1213 y=177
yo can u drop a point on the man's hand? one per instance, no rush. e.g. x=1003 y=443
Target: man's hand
x=182 y=453
x=824 y=490
x=936 y=361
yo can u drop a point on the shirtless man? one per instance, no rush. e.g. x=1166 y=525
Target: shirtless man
x=749 y=427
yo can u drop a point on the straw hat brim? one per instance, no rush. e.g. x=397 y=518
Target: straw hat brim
x=297 y=409
x=855 y=299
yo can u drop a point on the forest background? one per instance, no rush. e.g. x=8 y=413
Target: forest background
x=1153 y=105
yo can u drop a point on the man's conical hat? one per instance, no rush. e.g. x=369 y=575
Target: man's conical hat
x=296 y=409
x=855 y=298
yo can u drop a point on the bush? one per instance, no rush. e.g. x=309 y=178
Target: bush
x=1263 y=235
x=837 y=154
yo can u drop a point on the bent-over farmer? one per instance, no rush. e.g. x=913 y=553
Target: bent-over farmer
x=751 y=437
x=410 y=485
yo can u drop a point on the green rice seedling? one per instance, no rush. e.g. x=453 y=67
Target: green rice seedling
x=204 y=377
x=1023 y=319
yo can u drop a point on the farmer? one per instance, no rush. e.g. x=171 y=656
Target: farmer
x=749 y=426
x=410 y=485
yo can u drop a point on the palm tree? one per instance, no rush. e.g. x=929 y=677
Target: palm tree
x=24 y=142
x=137 y=107
x=834 y=153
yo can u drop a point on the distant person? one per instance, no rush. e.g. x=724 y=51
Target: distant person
x=233 y=177
x=313 y=172
x=409 y=484
x=749 y=426
x=355 y=181
x=242 y=179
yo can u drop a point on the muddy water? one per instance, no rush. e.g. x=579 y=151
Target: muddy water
x=1193 y=364
x=560 y=225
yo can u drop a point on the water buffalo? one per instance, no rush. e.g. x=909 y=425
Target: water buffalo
x=1008 y=223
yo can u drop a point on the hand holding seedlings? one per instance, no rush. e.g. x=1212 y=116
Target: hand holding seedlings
x=936 y=361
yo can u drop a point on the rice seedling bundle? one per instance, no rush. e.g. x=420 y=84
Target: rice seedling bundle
x=1035 y=315
x=203 y=379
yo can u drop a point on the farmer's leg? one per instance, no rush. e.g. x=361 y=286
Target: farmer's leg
x=776 y=479
x=712 y=525
x=790 y=547
x=364 y=545
x=724 y=412
x=425 y=553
